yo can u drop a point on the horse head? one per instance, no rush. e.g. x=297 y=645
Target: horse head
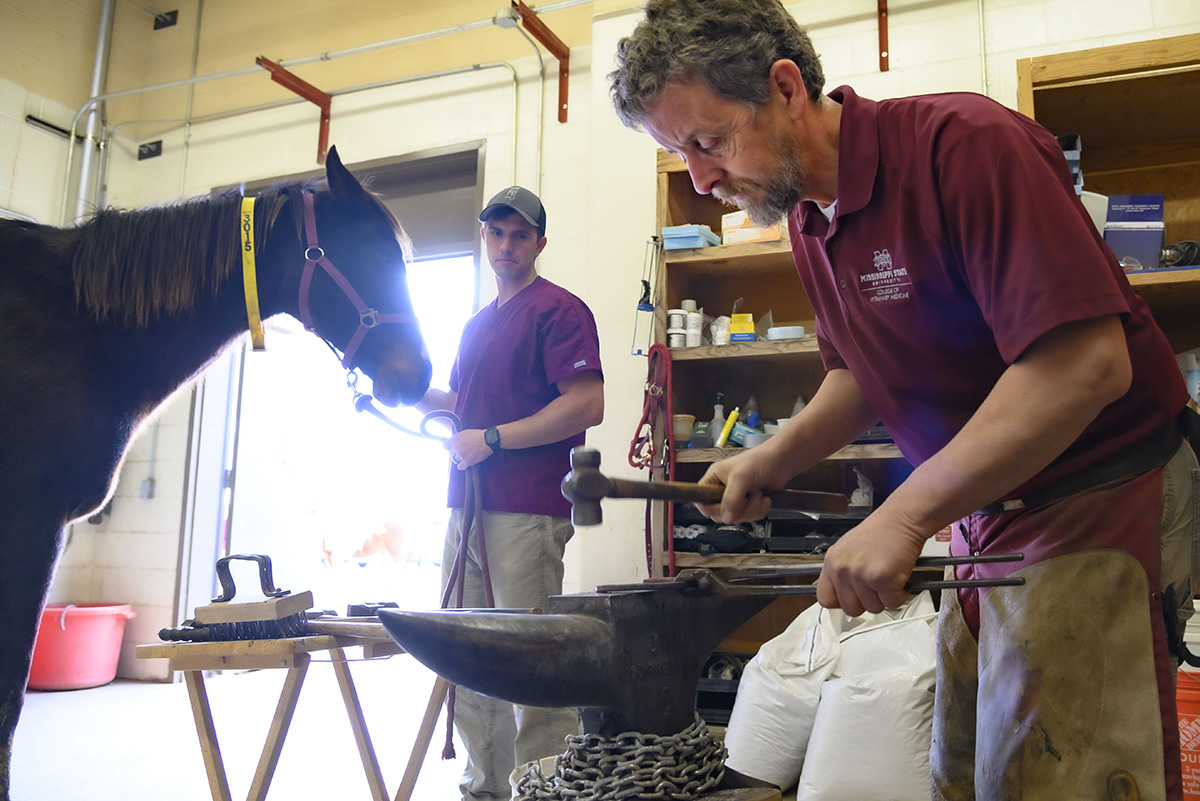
x=356 y=243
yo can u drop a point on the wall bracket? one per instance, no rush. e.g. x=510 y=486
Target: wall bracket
x=882 y=14
x=307 y=91
x=539 y=31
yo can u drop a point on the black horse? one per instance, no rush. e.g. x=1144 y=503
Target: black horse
x=100 y=323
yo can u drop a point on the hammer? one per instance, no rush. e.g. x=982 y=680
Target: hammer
x=585 y=485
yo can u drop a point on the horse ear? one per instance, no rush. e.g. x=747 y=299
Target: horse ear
x=341 y=181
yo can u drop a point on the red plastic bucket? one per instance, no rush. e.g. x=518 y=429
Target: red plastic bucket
x=1187 y=699
x=78 y=645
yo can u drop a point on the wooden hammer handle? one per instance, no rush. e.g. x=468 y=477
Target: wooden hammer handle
x=799 y=500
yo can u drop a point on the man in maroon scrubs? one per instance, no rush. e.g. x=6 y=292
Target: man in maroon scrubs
x=526 y=385
x=964 y=299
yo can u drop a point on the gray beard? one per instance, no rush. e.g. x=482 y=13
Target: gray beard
x=780 y=192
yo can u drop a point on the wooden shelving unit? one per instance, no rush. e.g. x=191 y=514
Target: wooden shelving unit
x=1137 y=112
x=1136 y=109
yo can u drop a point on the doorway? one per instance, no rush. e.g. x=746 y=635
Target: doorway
x=344 y=505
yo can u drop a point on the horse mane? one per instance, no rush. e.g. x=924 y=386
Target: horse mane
x=139 y=266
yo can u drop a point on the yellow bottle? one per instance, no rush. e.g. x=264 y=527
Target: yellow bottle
x=733 y=416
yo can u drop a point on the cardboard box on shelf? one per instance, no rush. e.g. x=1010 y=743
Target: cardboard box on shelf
x=737 y=228
x=741 y=328
x=1134 y=230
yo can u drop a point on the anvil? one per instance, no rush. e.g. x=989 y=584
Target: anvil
x=628 y=656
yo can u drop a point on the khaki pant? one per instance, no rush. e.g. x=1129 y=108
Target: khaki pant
x=525 y=563
x=1069 y=678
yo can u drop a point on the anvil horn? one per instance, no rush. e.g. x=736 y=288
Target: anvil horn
x=534 y=660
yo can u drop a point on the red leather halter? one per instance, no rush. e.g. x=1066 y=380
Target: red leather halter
x=368 y=318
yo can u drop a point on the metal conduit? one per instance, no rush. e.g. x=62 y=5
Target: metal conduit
x=99 y=78
x=541 y=95
x=350 y=90
x=327 y=56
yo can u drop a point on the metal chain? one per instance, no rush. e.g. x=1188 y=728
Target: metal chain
x=631 y=765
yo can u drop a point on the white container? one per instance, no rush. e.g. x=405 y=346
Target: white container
x=785 y=332
x=753 y=440
x=688 y=305
x=695 y=321
x=676 y=318
x=676 y=337
x=682 y=425
x=692 y=338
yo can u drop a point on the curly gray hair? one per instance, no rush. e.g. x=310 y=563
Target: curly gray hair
x=729 y=45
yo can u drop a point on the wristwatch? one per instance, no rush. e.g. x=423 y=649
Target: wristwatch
x=491 y=438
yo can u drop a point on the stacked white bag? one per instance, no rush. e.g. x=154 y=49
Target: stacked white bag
x=842 y=705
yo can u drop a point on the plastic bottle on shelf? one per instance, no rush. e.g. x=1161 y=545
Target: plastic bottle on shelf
x=718 y=421
x=751 y=413
x=799 y=405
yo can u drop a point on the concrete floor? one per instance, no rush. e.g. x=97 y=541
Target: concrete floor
x=129 y=741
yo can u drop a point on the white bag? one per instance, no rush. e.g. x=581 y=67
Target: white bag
x=870 y=736
x=777 y=699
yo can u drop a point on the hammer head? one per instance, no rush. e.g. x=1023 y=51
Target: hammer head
x=584 y=486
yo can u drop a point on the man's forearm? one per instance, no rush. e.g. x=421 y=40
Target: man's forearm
x=1040 y=405
x=565 y=416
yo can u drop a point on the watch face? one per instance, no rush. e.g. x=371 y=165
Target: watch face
x=492 y=438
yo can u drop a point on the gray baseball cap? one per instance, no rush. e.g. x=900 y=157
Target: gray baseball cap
x=523 y=202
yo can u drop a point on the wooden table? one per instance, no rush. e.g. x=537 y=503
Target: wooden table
x=293 y=654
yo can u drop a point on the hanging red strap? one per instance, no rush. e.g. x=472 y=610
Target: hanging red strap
x=657 y=402
x=657 y=413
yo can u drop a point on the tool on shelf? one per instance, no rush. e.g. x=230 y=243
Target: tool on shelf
x=585 y=486
x=643 y=320
x=280 y=616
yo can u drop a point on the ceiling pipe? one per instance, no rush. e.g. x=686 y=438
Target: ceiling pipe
x=91 y=139
x=326 y=56
x=186 y=123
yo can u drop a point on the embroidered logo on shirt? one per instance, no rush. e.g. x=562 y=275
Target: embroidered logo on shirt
x=886 y=282
x=580 y=363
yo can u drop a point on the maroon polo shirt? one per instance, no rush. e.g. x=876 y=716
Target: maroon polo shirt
x=958 y=240
x=509 y=360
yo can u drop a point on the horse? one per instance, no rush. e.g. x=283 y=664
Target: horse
x=102 y=322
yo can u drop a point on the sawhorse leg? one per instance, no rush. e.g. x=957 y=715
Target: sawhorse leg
x=213 y=766
x=421 y=747
x=359 y=724
x=218 y=782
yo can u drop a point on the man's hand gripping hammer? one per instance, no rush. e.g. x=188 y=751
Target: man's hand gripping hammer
x=585 y=486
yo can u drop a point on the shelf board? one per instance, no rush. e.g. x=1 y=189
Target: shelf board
x=744 y=259
x=1174 y=298
x=849 y=453
x=688 y=559
x=750 y=351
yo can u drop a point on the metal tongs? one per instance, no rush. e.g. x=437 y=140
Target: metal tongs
x=741 y=582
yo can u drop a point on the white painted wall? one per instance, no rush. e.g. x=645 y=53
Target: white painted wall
x=597 y=180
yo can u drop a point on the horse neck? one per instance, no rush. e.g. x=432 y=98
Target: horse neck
x=176 y=351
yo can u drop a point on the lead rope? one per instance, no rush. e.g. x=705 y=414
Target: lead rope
x=472 y=519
